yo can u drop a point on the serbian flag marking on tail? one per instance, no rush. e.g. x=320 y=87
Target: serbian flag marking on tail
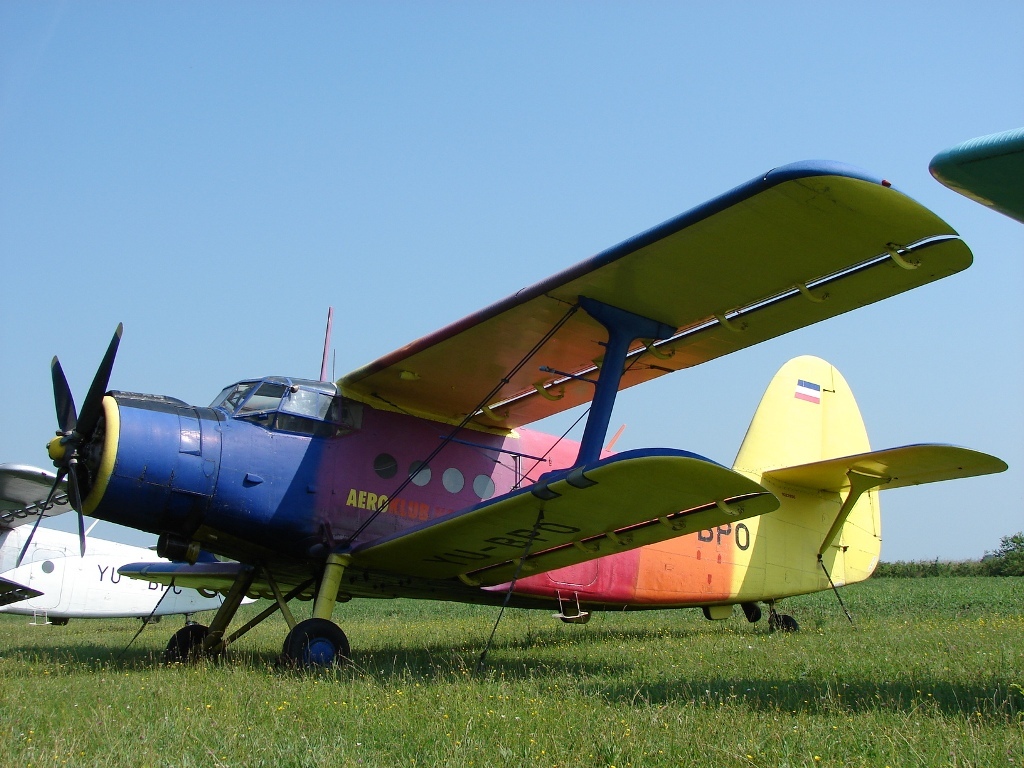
x=808 y=390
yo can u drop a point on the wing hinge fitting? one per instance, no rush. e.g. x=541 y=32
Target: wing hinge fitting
x=806 y=293
x=724 y=507
x=652 y=348
x=620 y=539
x=730 y=325
x=900 y=258
x=678 y=524
x=542 y=390
x=490 y=414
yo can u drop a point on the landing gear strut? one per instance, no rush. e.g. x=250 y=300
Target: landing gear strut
x=319 y=642
x=315 y=643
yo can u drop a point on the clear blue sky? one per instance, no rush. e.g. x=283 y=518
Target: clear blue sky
x=215 y=175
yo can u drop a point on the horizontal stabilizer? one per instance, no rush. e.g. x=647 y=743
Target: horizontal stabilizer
x=626 y=501
x=13 y=592
x=908 y=465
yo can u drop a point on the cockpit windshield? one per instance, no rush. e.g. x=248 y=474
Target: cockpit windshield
x=291 y=405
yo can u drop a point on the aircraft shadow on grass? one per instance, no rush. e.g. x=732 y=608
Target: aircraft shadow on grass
x=996 y=700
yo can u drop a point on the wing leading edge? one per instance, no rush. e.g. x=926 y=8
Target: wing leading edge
x=801 y=244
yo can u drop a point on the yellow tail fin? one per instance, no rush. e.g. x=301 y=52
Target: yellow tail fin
x=807 y=415
x=807 y=444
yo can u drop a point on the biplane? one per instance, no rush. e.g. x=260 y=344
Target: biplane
x=52 y=581
x=418 y=476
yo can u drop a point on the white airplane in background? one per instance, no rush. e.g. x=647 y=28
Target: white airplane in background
x=55 y=581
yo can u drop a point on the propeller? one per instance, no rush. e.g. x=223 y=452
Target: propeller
x=75 y=431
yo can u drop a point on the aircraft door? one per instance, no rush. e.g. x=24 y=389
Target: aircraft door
x=579 y=575
x=46 y=574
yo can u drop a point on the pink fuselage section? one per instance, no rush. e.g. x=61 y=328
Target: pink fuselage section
x=365 y=470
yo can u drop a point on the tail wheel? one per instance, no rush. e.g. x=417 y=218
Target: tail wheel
x=315 y=643
x=186 y=644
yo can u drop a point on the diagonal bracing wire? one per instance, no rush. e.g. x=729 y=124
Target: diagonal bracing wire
x=488 y=398
x=511 y=586
x=145 y=622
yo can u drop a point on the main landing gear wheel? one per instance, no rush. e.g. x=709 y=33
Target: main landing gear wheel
x=315 y=643
x=782 y=622
x=186 y=644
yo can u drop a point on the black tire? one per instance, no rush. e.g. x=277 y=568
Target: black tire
x=752 y=611
x=315 y=643
x=186 y=644
x=788 y=624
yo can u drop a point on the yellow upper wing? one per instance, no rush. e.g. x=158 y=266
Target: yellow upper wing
x=803 y=243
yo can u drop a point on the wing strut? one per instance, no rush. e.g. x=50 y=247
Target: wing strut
x=623 y=329
x=860 y=482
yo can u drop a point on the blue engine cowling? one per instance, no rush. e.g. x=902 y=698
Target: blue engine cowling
x=189 y=473
x=159 y=465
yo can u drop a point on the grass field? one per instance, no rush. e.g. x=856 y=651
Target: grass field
x=931 y=674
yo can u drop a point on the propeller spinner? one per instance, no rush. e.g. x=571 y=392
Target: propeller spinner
x=76 y=430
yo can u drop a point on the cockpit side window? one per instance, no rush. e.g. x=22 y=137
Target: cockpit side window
x=266 y=398
x=306 y=402
x=298 y=406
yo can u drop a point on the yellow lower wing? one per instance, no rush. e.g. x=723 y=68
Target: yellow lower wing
x=629 y=500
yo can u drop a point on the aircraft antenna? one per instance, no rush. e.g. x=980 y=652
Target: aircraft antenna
x=327 y=345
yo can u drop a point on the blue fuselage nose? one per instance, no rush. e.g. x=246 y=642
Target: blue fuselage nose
x=167 y=463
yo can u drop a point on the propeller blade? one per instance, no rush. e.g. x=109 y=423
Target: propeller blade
x=76 y=502
x=93 y=405
x=67 y=416
x=39 y=519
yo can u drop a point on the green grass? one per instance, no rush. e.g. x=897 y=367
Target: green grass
x=931 y=674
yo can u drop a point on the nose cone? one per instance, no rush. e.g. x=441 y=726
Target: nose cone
x=55 y=449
